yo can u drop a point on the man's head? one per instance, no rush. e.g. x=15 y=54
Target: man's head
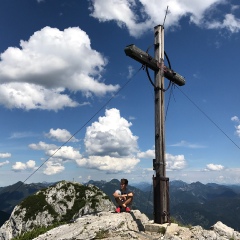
x=124 y=183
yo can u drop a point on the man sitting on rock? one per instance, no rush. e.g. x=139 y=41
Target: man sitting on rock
x=123 y=197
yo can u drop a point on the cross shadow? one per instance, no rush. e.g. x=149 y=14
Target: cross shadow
x=138 y=221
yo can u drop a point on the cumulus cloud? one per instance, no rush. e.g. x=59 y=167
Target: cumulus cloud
x=61 y=135
x=120 y=11
x=66 y=153
x=51 y=63
x=147 y=154
x=53 y=168
x=175 y=162
x=4 y=163
x=110 y=146
x=29 y=96
x=57 y=156
x=235 y=119
x=138 y=16
x=237 y=127
x=111 y=135
x=214 y=167
x=230 y=22
x=5 y=155
x=20 y=166
x=109 y=164
x=42 y=146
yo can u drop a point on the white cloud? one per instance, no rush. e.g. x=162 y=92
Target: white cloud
x=238 y=130
x=235 y=7
x=17 y=135
x=187 y=144
x=175 y=162
x=4 y=163
x=130 y=72
x=19 y=166
x=61 y=135
x=110 y=146
x=230 y=23
x=138 y=16
x=64 y=153
x=38 y=75
x=214 y=167
x=235 y=119
x=57 y=156
x=110 y=136
x=120 y=11
x=148 y=154
x=29 y=96
x=31 y=164
x=5 y=155
x=42 y=146
x=110 y=164
x=53 y=168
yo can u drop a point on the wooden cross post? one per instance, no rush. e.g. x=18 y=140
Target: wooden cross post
x=160 y=181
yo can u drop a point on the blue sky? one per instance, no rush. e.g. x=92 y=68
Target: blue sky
x=63 y=72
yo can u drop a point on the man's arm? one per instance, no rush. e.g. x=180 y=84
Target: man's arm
x=127 y=195
x=129 y=198
x=116 y=194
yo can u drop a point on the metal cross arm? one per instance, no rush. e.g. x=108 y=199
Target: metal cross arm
x=145 y=59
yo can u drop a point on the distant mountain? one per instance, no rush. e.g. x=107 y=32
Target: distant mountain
x=70 y=210
x=11 y=195
x=200 y=204
x=235 y=188
x=3 y=217
x=193 y=204
x=143 y=186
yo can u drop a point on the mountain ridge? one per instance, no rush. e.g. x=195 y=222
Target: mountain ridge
x=209 y=203
x=84 y=212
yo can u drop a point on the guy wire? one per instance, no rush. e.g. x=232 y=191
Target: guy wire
x=166 y=13
x=207 y=117
x=94 y=115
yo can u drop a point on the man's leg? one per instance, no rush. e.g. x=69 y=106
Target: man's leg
x=127 y=204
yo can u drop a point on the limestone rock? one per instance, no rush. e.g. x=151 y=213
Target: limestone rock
x=219 y=231
x=63 y=202
x=134 y=225
x=107 y=225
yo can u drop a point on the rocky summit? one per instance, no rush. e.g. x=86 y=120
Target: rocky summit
x=85 y=212
x=134 y=225
x=63 y=202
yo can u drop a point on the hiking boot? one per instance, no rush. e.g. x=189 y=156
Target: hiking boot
x=118 y=210
x=128 y=209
